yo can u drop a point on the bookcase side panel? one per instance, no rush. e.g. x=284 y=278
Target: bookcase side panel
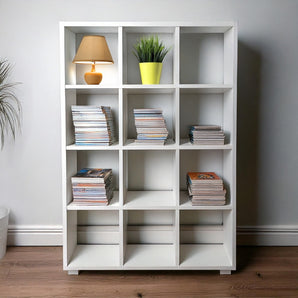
x=70 y=68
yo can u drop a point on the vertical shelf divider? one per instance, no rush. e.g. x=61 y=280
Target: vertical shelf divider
x=121 y=160
x=120 y=55
x=176 y=68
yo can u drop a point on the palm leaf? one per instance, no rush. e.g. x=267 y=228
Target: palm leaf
x=10 y=106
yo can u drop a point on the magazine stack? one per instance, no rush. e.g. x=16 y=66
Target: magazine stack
x=92 y=187
x=206 y=135
x=151 y=126
x=93 y=125
x=206 y=189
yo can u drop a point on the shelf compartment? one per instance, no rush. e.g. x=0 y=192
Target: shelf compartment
x=155 y=200
x=204 y=256
x=201 y=58
x=205 y=239
x=75 y=72
x=185 y=204
x=93 y=239
x=149 y=256
x=131 y=72
x=203 y=108
x=149 y=178
x=149 y=238
x=85 y=98
x=157 y=100
x=77 y=160
x=94 y=257
x=218 y=161
x=113 y=205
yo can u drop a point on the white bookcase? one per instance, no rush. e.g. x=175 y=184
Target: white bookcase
x=150 y=223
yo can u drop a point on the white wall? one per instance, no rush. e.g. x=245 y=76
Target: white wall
x=267 y=105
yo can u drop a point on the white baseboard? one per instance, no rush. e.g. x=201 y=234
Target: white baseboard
x=34 y=235
x=267 y=235
x=246 y=235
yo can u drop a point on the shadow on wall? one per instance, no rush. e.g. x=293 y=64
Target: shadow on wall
x=249 y=84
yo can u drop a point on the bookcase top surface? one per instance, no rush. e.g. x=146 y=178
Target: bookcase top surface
x=165 y=27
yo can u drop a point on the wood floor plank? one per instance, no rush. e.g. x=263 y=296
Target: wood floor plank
x=37 y=272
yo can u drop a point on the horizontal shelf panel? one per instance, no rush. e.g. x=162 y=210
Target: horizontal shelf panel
x=155 y=200
x=74 y=147
x=114 y=205
x=149 y=29
x=144 y=256
x=185 y=204
x=204 y=88
x=94 y=257
x=185 y=144
x=90 y=28
x=131 y=145
x=93 y=89
x=222 y=28
x=148 y=89
x=204 y=256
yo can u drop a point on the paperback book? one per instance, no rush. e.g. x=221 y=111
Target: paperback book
x=150 y=126
x=92 y=186
x=206 y=135
x=205 y=189
x=93 y=125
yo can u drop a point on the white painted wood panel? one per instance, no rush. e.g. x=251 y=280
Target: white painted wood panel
x=150 y=223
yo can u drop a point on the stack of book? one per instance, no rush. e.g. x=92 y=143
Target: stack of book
x=92 y=187
x=151 y=126
x=205 y=189
x=93 y=125
x=206 y=135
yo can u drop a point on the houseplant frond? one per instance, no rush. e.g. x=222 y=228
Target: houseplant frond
x=150 y=49
x=10 y=106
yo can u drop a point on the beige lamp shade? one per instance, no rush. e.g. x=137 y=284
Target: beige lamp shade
x=93 y=49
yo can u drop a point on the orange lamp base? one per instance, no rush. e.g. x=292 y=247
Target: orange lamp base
x=92 y=77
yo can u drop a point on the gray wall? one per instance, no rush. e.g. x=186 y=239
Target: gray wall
x=267 y=100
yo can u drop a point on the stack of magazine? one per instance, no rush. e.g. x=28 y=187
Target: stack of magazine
x=205 y=189
x=206 y=135
x=93 y=125
x=151 y=126
x=92 y=187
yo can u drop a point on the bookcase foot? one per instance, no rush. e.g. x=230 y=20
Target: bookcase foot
x=225 y=272
x=73 y=272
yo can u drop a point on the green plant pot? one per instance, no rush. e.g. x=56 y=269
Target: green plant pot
x=150 y=72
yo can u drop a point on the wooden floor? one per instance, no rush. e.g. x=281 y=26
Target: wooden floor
x=37 y=272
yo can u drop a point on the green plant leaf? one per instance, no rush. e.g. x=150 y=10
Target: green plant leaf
x=150 y=49
x=10 y=106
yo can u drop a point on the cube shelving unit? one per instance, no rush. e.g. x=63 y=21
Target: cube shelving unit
x=150 y=223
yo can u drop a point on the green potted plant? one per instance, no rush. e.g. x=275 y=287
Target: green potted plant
x=10 y=112
x=150 y=53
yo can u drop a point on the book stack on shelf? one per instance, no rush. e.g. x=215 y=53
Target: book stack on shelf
x=93 y=125
x=151 y=126
x=92 y=187
x=205 y=189
x=206 y=135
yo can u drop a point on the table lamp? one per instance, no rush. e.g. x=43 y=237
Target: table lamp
x=93 y=50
